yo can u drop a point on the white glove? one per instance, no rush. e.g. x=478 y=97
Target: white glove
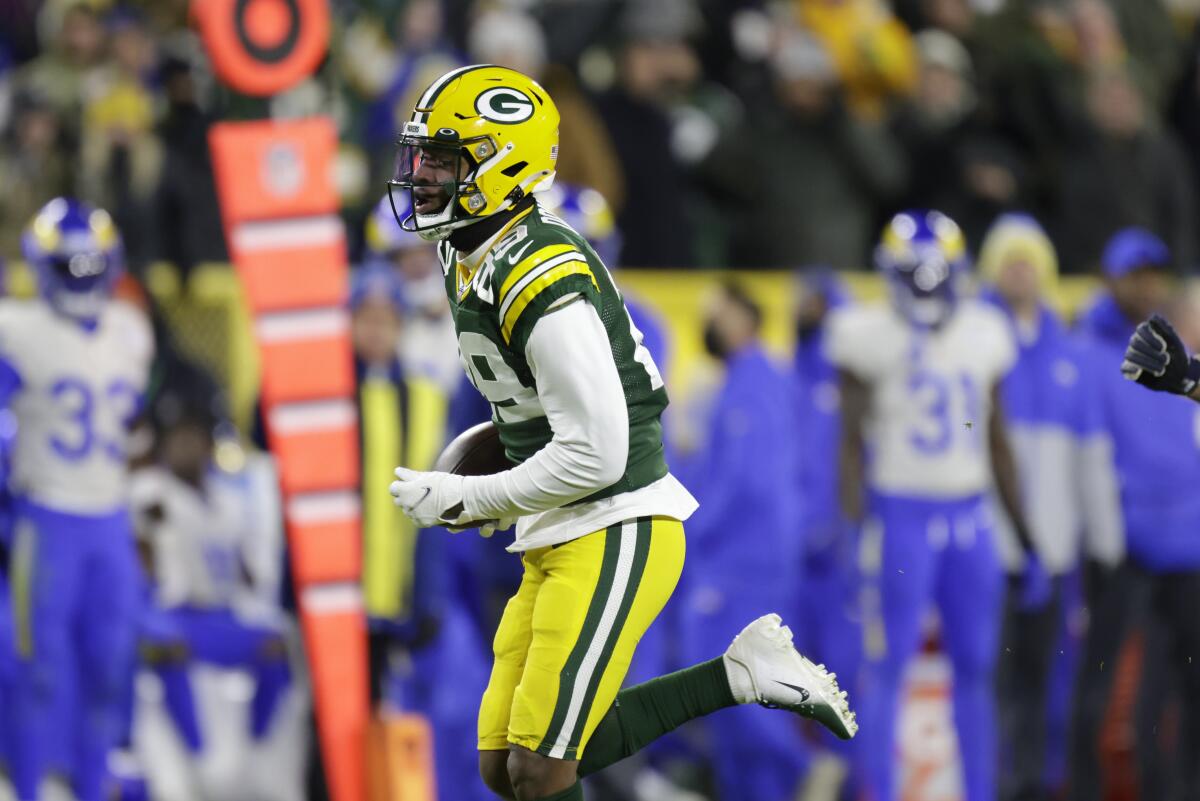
x=426 y=497
x=492 y=526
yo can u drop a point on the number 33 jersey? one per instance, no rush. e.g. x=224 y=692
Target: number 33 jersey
x=79 y=391
x=499 y=292
x=930 y=391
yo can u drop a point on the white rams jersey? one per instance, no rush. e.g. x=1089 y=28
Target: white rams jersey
x=931 y=391
x=79 y=391
x=197 y=538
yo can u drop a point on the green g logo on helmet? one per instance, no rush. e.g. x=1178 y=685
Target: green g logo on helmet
x=504 y=105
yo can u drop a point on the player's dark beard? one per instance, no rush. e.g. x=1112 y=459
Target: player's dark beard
x=712 y=342
x=470 y=237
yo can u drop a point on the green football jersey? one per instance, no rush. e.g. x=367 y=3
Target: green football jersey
x=536 y=261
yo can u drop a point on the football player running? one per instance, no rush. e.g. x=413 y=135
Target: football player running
x=73 y=368
x=919 y=398
x=544 y=335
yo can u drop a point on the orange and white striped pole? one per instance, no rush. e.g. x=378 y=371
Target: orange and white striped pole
x=279 y=208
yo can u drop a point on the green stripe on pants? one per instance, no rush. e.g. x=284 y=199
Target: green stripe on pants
x=566 y=687
x=640 y=556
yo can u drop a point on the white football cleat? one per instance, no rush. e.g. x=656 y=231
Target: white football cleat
x=765 y=668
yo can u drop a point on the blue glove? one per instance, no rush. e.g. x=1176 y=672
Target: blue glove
x=1034 y=592
x=1156 y=358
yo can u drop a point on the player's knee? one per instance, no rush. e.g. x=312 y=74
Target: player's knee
x=535 y=776
x=493 y=769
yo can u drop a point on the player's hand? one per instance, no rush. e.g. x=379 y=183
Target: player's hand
x=1156 y=358
x=1035 y=588
x=492 y=526
x=429 y=498
x=486 y=528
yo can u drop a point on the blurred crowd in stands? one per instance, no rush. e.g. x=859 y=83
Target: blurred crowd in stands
x=759 y=134
x=695 y=134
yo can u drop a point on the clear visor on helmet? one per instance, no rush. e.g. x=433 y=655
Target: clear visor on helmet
x=420 y=163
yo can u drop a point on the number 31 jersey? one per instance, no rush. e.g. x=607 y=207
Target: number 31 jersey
x=535 y=262
x=79 y=391
x=927 y=423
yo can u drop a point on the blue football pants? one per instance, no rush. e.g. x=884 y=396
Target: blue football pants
x=920 y=552
x=75 y=596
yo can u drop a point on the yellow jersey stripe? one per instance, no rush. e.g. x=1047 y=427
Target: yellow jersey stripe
x=530 y=262
x=526 y=295
x=533 y=275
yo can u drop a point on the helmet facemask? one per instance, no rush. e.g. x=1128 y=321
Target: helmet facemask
x=78 y=285
x=466 y=160
x=922 y=256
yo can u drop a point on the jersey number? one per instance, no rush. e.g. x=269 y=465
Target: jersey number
x=934 y=395
x=77 y=400
x=510 y=399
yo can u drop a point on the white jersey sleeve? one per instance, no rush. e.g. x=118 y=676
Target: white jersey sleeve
x=79 y=391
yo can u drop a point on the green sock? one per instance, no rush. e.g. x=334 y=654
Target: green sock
x=572 y=793
x=645 y=712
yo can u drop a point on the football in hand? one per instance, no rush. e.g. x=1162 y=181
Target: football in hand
x=475 y=452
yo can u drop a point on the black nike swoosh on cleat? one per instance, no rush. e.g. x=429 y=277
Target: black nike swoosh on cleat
x=803 y=692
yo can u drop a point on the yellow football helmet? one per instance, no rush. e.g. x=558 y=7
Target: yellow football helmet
x=497 y=126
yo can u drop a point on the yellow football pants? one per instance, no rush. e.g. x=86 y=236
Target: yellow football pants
x=566 y=638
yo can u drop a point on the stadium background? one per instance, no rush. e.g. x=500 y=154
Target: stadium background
x=667 y=98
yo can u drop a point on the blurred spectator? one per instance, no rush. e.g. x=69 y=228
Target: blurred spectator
x=828 y=602
x=8 y=639
x=7 y=86
x=818 y=293
x=187 y=220
x=1184 y=111
x=1068 y=485
x=656 y=66
x=1030 y=86
x=402 y=415
x=424 y=655
x=808 y=177
x=1122 y=172
x=73 y=44
x=746 y=472
x=514 y=39
x=871 y=50
x=1158 y=467
x=390 y=69
x=956 y=162
x=191 y=519
x=428 y=347
x=1152 y=42
x=120 y=156
x=955 y=17
x=35 y=166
